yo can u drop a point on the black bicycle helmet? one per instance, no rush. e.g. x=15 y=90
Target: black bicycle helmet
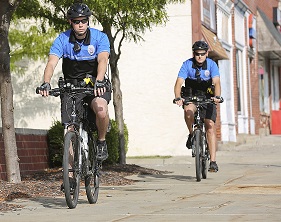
x=200 y=45
x=78 y=10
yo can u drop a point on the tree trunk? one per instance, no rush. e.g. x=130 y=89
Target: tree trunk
x=6 y=92
x=118 y=107
x=117 y=93
x=8 y=129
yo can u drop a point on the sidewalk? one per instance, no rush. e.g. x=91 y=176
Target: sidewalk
x=246 y=188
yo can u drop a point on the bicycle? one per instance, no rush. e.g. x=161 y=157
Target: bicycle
x=80 y=141
x=200 y=149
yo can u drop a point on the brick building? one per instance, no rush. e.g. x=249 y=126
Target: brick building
x=245 y=42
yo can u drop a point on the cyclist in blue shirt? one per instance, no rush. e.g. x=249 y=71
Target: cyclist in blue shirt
x=84 y=52
x=200 y=74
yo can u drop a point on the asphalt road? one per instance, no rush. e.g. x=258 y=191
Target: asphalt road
x=246 y=188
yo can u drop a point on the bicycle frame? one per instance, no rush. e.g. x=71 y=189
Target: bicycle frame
x=198 y=122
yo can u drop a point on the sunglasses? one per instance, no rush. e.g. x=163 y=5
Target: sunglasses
x=84 y=21
x=200 y=54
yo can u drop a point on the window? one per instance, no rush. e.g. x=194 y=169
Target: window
x=239 y=80
x=208 y=14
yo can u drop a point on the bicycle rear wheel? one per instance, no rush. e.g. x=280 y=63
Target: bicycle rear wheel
x=71 y=169
x=92 y=184
x=198 y=148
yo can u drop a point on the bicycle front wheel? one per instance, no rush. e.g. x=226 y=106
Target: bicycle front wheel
x=198 y=148
x=71 y=172
x=92 y=184
x=205 y=157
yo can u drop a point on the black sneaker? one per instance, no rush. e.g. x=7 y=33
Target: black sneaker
x=102 y=153
x=72 y=183
x=213 y=167
x=189 y=142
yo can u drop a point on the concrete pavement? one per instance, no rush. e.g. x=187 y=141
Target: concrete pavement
x=246 y=188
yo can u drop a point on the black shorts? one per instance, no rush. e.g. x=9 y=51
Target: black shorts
x=209 y=112
x=66 y=106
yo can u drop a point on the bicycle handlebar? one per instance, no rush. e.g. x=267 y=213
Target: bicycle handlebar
x=57 y=91
x=195 y=100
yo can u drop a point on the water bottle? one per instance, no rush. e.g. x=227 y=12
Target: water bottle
x=84 y=135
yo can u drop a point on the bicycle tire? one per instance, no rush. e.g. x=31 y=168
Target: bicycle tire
x=71 y=196
x=92 y=181
x=205 y=157
x=205 y=167
x=198 y=146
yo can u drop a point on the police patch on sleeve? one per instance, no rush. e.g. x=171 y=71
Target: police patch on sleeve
x=91 y=49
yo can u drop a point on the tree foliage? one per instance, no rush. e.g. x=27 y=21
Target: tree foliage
x=32 y=44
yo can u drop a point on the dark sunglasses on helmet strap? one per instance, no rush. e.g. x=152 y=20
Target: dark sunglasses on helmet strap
x=77 y=21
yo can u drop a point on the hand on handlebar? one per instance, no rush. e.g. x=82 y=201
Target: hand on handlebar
x=179 y=101
x=217 y=99
x=100 y=87
x=44 y=89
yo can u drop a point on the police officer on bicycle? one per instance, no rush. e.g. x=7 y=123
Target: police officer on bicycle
x=200 y=74
x=84 y=52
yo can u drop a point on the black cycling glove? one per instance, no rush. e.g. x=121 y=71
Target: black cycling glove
x=45 y=87
x=220 y=98
x=100 y=84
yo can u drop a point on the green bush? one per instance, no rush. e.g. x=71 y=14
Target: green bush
x=55 y=143
x=112 y=140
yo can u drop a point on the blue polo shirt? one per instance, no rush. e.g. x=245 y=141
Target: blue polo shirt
x=77 y=64
x=208 y=71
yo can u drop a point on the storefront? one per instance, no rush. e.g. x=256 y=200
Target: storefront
x=269 y=50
